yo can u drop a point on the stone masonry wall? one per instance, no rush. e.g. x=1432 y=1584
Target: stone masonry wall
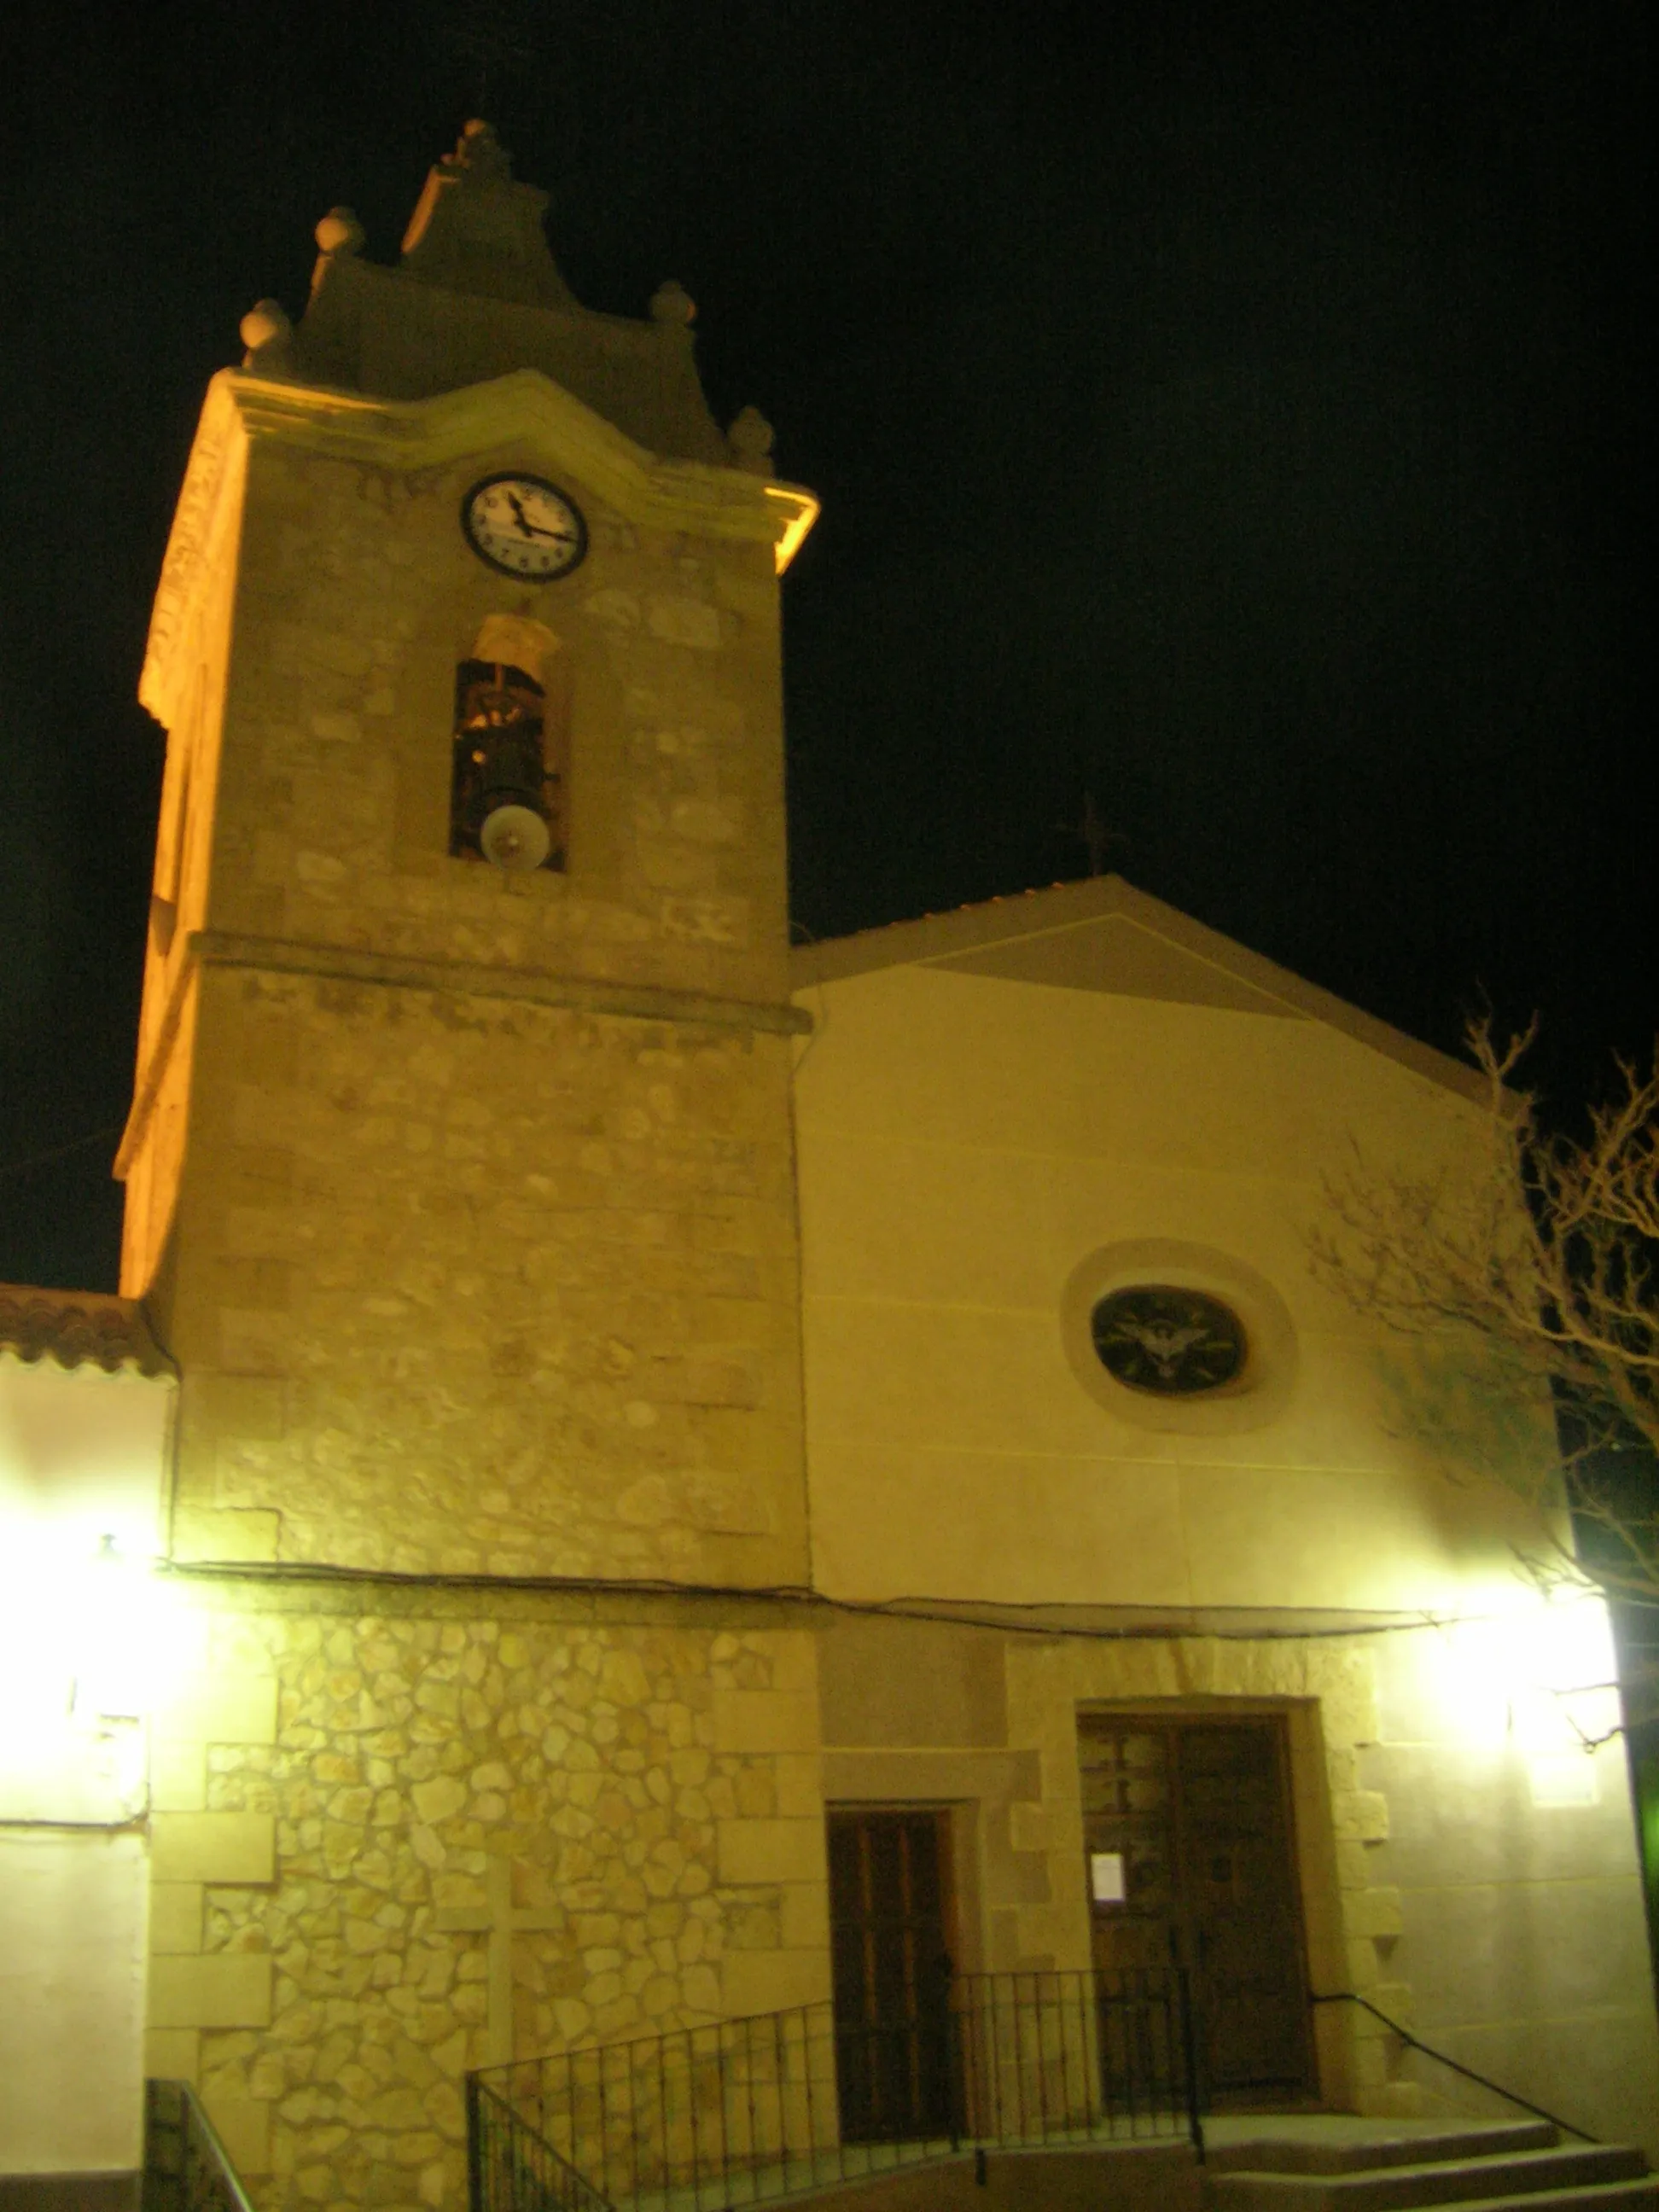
x=464 y=1201
x=349 y=1801
x=485 y=1287
x=358 y=598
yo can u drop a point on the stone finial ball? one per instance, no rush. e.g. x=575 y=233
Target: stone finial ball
x=339 y=231
x=265 y=320
x=673 y=303
x=750 y=437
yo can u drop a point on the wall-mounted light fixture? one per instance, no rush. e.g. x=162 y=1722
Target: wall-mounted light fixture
x=1539 y=1672
x=82 y=1652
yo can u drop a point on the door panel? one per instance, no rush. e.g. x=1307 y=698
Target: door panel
x=889 y=1936
x=1199 y=1812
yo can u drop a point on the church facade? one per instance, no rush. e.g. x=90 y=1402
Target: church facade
x=1109 y=1610
x=660 y=1429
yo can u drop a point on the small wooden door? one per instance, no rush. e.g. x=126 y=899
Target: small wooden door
x=890 y=1942
x=1190 y=1820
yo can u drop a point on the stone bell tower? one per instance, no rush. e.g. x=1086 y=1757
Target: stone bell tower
x=458 y=1171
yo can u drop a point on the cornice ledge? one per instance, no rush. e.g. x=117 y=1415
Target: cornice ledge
x=240 y=408
x=423 y=434
x=217 y=455
x=215 y=948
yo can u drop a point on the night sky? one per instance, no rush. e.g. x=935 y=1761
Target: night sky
x=1237 y=414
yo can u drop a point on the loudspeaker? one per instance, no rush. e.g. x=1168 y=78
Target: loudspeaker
x=514 y=838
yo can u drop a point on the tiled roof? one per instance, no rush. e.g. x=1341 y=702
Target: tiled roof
x=78 y=1329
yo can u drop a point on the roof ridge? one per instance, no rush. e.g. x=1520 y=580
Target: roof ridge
x=935 y=939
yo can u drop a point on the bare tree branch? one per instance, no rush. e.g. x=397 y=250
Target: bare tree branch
x=1536 y=1271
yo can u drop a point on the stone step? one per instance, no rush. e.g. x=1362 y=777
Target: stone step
x=1522 y=2177
x=1638 y=2195
x=1360 y=2154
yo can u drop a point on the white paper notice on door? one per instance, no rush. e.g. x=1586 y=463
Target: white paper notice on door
x=1106 y=1877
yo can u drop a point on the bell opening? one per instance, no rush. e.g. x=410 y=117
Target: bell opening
x=505 y=798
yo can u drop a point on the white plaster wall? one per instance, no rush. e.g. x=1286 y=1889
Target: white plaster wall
x=1522 y=1940
x=72 y=1936
x=81 y=1459
x=80 y=1452
x=81 y=1455
x=965 y=1143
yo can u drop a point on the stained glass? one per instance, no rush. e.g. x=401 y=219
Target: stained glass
x=1155 y=1337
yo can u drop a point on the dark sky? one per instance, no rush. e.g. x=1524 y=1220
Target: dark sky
x=1239 y=413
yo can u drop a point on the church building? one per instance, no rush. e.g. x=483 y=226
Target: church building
x=669 y=1481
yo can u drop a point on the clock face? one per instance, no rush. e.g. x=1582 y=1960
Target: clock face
x=525 y=526
x=1175 y=1343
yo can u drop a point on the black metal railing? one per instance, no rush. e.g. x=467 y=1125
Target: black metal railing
x=512 y=2168
x=186 y=2167
x=744 y=2112
x=1444 y=2058
x=1061 y=2057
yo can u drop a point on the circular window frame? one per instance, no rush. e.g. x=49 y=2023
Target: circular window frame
x=1256 y=1395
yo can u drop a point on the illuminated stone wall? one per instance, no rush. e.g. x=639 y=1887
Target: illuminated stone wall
x=357 y=598
x=465 y=1202
x=464 y=1199
x=486 y=1286
x=349 y=1792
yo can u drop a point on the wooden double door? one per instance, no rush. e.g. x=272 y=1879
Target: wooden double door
x=1190 y=1861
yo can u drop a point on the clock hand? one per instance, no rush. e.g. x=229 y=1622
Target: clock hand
x=529 y=529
